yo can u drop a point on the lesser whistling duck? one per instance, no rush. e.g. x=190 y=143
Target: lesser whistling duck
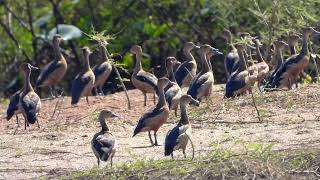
x=172 y=91
x=142 y=80
x=29 y=101
x=293 y=40
x=276 y=61
x=103 y=70
x=53 y=72
x=13 y=107
x=294 y=65
x=232 y=55
x=263 y=67
x=240 y=80
x=153 y=119
x=188 y=69
x=103 y=143
x=178 y=137
x=84 y=81
x=201 y=85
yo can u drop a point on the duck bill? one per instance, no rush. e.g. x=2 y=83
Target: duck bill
x=196 y=47
x=216 y=51
x=316 y=32
x=251 y=47
x=33 y=67
x=114 y=115
x=194 y=102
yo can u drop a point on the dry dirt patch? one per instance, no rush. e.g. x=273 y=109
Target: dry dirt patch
x=62 y=144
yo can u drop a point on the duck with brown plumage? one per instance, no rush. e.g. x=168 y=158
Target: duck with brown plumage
x=102 y=71
x=53 y=72
x=201 y=86
x=154 y=118
x=29 y=101
x=187 y=70
x=104 y=143
x=172 y=91
x=142 y=80
x=84 y=81
x=294 y=65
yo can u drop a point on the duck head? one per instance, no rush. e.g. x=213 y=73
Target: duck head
x=26 y=67
x=136 y=49
x=163 y=82
x=280 y=45
x=189 y=46
x=187 y=99
x=294 y=39
x=57 y=39
x=309 y=31
x=104 y=114
x=85 y=51
x=226 y=34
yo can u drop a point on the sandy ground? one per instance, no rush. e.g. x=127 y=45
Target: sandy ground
x=62 y=144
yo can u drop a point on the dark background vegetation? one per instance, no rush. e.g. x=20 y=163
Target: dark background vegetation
x=161 y=27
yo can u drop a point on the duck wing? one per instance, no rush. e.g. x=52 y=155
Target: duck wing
x=78 y=85
x=182 y=71
x=173 y=138
x=145 y=119
x=104 y=145
x=29 y=103
x=13 y=105
x=171 y=93
x=148 y=78
x=45 y=73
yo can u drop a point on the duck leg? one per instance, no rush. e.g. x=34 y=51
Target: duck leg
x=17 y=120
x=51 y=91
x=96 y=91
x=38 y=123
x=98 y=161
x=155 y=139
x=145 y=99
x=184 y=153
x=150 y=138
x=87 y=99
x=111 y=162
x=172 y=155
x=101 y=91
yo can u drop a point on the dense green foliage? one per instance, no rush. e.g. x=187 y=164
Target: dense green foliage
x=160 y=26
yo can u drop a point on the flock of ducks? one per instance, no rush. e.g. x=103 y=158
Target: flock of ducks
x=243 y=73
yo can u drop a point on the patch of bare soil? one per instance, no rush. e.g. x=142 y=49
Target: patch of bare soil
x=290 y=119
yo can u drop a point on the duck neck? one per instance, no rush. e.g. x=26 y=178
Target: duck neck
x=27 y=84
x=103 y=124
x=188 y=55
x=205 y=65
x=242 y=62
x=87 y=64
x=209 y=61
x=184 y=115
x=57 y=51
x=138 y=65
x=162 y=99
x=259 y=55
x=104 y=53
x=292 y=48
x=305 y=49
x=172 y=78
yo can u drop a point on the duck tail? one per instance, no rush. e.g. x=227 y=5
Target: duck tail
x=31 y=117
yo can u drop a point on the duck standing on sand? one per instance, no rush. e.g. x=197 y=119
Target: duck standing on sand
x=103 y=143
x=155 y=117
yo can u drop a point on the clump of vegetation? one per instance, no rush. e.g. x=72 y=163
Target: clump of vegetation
x=257 y=161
